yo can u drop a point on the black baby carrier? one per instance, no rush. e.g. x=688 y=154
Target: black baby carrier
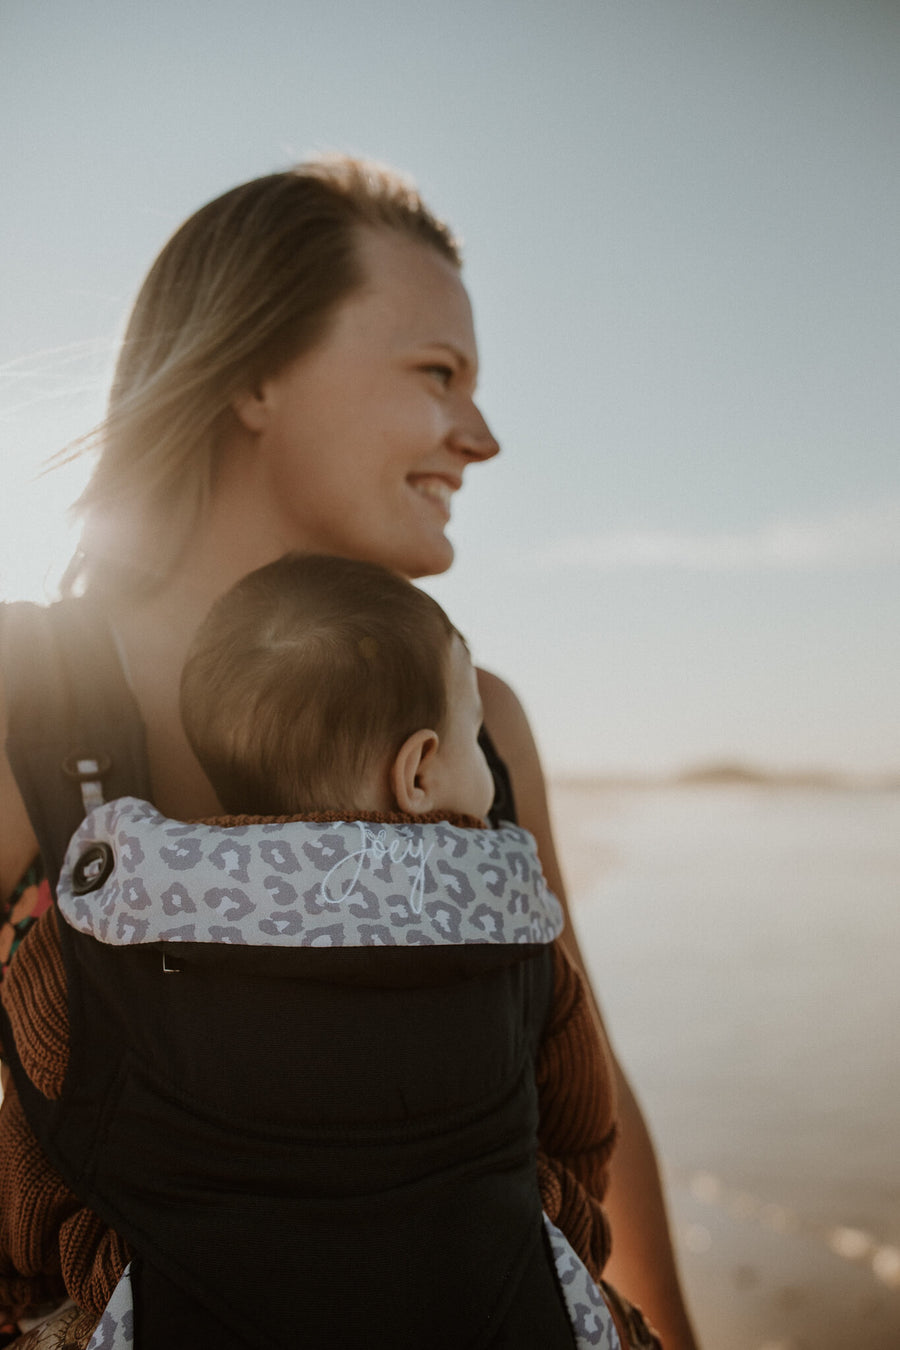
x=301 y=1067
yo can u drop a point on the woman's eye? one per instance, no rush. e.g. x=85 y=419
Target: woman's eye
x=442 y=373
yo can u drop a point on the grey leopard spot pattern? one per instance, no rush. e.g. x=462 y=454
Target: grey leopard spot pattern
x=129 y=929
x=235 y=936
x=115 y=1330
x=130 y=852
x=232 y=903
x=185 y=855
x=281 y=891
x=81 y=913
x=233 y=858
x=446 y=919
x=186 y=933
x=517 y=903
x=376 y=935
x=490 y=843
x=448 y=840
x=382 y=870
x=489 y=922
x=350 y=883
x=401 y=912
x=364 y=904
x=288 y=924
x=591 y=1319
x=325 y=851
x=456 y=883
x=332 y=936
x=313 y=905
x=279 y=854
x=135 y=894
x=430 y=883
x=518 y=865
x=494 y=878
x=176 y=899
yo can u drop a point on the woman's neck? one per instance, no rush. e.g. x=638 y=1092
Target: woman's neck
x=237 y=534
x=154 y=631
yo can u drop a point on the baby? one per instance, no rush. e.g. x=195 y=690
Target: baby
x=323 y=684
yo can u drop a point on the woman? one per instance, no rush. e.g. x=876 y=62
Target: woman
x=299 y=372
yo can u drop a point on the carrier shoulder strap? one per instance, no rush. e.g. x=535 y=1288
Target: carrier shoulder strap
x=74 y=732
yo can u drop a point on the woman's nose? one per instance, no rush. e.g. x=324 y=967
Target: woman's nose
x=473 y=437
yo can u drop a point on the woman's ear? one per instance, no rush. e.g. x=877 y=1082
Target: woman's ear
x=251 y=408
x=412 y=773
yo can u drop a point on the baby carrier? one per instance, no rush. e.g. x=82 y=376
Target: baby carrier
x=300 y=1078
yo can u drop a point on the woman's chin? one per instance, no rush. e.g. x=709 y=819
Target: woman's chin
x=430 y=561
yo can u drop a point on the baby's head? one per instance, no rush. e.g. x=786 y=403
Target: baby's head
x=321 y=683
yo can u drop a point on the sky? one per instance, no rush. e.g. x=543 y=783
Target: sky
x=680 y=221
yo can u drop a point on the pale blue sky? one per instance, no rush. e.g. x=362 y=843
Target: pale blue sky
x=680 y=220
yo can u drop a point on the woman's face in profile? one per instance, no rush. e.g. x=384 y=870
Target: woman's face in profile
x=363 y=441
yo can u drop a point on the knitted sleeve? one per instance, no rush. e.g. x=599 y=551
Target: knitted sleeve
x=51 y=1245
x=576 y=1133
x=577 y=1126
x=34 y=997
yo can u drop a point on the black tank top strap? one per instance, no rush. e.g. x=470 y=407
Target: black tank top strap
x=504 y=806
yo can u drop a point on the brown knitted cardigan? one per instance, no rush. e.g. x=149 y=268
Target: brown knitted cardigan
x=51 y=1245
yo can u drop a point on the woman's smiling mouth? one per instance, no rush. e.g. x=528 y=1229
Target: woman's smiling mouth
x=436 y=489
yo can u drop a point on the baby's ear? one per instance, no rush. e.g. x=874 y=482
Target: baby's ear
x=411 y=773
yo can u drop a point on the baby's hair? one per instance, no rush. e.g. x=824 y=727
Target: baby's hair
x=308 y=673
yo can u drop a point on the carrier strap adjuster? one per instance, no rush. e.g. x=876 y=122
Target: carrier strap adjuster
x=88 y=773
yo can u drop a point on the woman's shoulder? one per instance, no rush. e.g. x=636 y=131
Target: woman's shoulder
x=509 y=728
x=504 y=715
x=510 y=731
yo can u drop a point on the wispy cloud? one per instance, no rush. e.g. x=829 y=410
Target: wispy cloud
x=866 y=537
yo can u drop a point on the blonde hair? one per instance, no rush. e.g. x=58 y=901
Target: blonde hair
x=247 y=283
x=308 y=675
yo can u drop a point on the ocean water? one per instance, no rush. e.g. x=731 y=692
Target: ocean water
x=744 y=944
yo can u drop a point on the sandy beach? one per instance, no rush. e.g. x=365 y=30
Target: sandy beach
x=743 y=941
